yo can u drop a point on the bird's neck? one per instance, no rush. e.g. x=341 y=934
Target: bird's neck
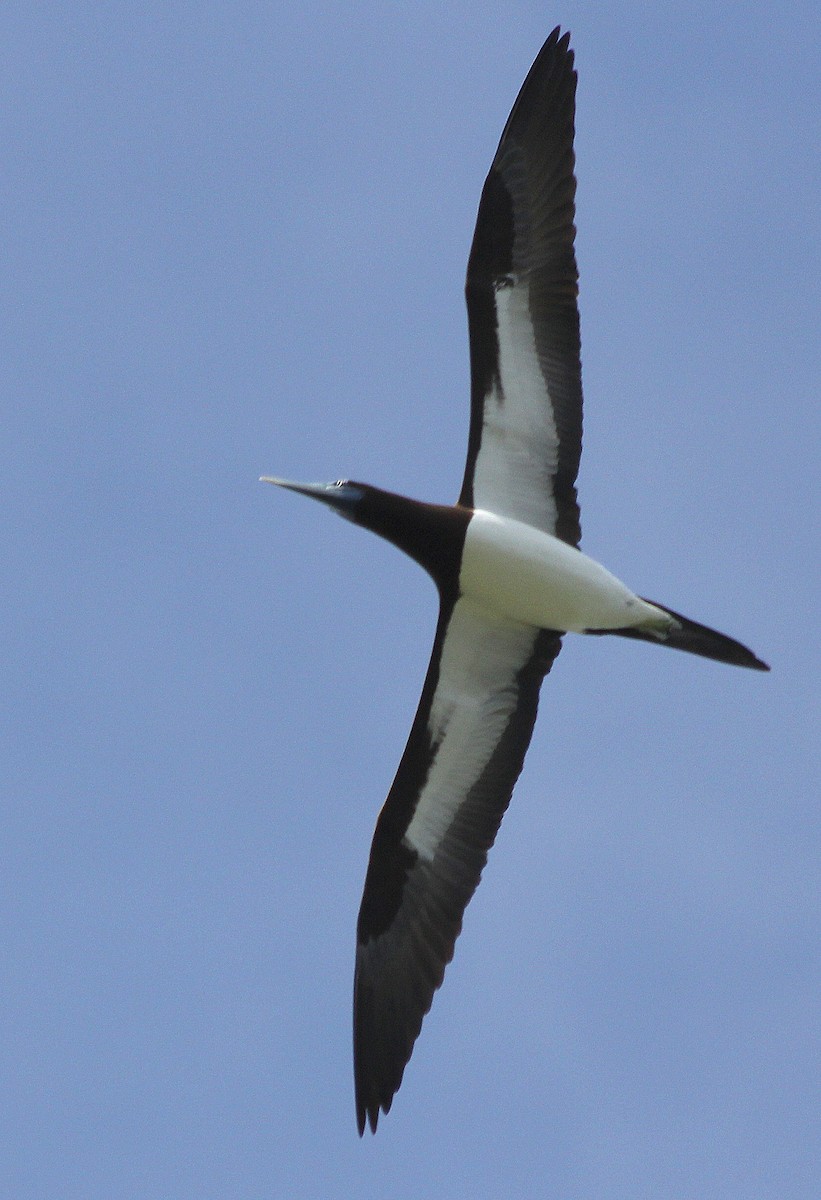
x=431 y=534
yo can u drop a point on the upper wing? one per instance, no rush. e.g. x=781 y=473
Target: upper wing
x=522 y=285
x=464 y=754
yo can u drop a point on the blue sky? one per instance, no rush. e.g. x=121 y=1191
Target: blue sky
x=235 y=239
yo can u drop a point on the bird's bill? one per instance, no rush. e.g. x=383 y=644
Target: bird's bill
x=342 y=495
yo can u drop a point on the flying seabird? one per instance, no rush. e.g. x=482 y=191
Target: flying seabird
x=510 y=576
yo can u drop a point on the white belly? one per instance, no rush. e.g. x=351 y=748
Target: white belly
x=529 y=576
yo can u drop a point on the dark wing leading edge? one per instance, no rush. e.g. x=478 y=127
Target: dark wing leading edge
x=522 y=286
x=463 y=756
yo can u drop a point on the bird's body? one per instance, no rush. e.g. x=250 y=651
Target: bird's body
x=510 y=577
x=532 y=578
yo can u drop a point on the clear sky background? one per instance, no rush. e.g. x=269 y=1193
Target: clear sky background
x=234 y=240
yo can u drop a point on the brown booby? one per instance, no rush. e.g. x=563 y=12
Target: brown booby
x=510 y=576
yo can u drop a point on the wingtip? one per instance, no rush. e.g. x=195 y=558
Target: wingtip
x=366 y=1116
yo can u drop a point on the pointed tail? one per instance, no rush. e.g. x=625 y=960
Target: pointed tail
x=695 y=639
